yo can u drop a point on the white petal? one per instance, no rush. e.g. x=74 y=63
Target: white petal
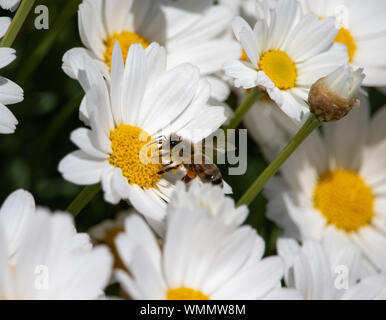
x=91 y=29
x=80 y=168
x=14 y=213
x=10 y=92
x=377 y=131
x=8 y=121
x=134 y=84
x=341 y=137
x=244 y=74
x=255 y=283
x=171 y=97
x=4 y=24
x=7 y=55
x=208 y=56
x=213 y=23
x=137 y=233
x=119 y=15
x=9 y=4
x=219 y=88
x=83 y=139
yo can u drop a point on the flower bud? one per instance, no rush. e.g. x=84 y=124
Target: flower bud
x=334 y=96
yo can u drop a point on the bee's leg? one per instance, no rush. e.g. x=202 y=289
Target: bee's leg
x=187 y=179
x=168 y=169
x=190 y=175
x=161 y=138
x=158 y=140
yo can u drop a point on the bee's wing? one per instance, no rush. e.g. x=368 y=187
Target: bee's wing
x=210 y=149
x=181 y=153
x=203 y=156
x=224 y=147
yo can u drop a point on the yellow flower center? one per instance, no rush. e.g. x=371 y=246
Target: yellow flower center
x=244 y=56
x=280 y=68
x=344 y=199
x=344 y=36
x=184 y=293
x=132 y=152
x=125 y=39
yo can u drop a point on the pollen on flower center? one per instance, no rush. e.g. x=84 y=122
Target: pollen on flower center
x=244 y=56
x=125 y=39
x=344 y=199
x=131 y=154
x=280 y=68
x=184 y=293
x=344 y=36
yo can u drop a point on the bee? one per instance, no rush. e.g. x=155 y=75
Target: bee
x=186 y=154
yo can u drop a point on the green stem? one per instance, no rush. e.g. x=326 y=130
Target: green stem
x=44 y=46
x=309 y=126
x=17 y=23
x=83 y=198
x=248 y=102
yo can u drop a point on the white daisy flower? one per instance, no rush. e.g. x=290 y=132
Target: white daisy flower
x=107 y=231
x=362 y=30
x=9 y=4
x=337 y=181
x=211 y=198
x=43 y=257
x=267 y=124
x=201 y=259
x=191 y=32
x=323 y=271
x=10 y=92
x=287 y=53
x=143 y=102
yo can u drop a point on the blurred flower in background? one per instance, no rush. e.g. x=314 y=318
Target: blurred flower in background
x=337 y=181
x=327 y=271
x=107 y=231
x=43 y=257
x=362 y=29
x=189 y=30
